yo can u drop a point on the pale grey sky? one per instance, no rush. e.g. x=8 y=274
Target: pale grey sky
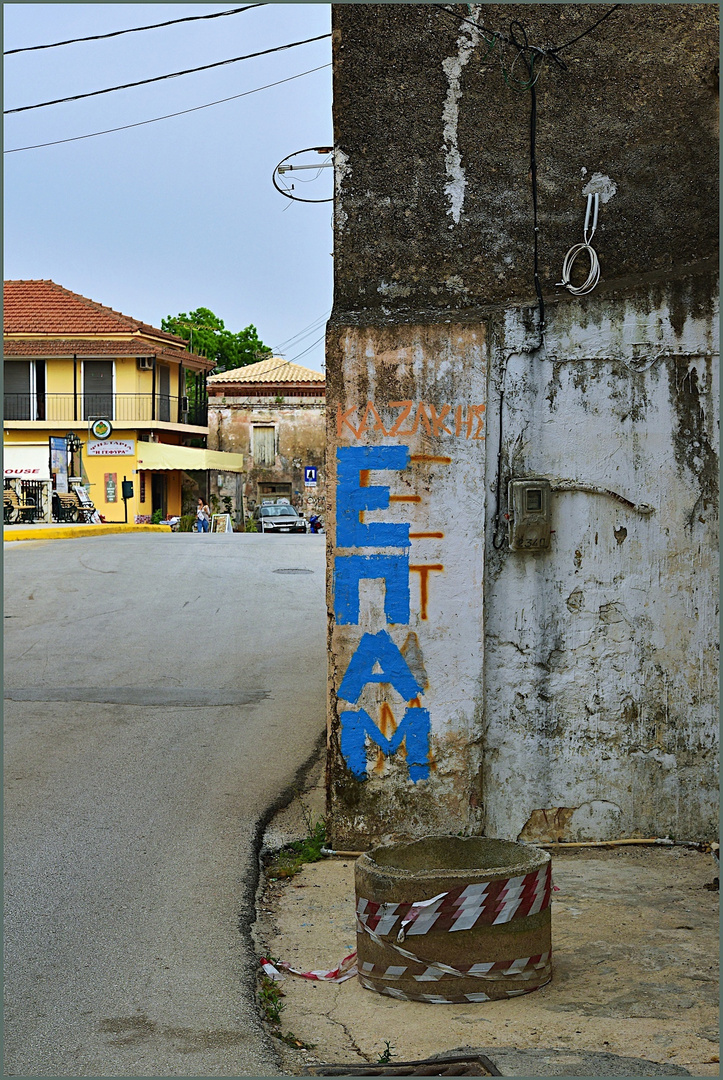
x=182 y=213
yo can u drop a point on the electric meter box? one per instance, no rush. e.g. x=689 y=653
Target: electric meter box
x=529 y=513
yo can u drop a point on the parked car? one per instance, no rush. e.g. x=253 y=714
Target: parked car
x=278 y=518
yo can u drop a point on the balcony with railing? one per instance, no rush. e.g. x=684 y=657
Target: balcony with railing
x=120 y=408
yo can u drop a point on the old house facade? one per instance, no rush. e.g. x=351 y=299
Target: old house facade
x=75 y=367
x=273 y=413
x=523 y=465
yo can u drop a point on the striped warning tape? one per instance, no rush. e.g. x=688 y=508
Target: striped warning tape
x=438 y=999
x=346 y=969
x=488 y=902
x=434 y=969
x=525 y=968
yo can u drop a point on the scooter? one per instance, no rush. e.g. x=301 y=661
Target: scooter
x=316 y=525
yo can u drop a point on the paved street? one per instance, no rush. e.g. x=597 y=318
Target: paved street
x=162 y=694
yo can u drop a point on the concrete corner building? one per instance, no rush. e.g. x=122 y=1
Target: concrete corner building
x=273 y=413
x=523 y=434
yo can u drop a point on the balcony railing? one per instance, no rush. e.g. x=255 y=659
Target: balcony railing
x=129 y=408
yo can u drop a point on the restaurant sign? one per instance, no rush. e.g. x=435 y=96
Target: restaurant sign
x=29 y=461
x=111 y=447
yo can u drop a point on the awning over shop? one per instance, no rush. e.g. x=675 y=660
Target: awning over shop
x=163 y=456
x=31 y=461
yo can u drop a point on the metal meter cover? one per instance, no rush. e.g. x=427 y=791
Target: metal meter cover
x=529 y=513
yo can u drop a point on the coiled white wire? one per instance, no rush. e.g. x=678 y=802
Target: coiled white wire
x=594 y=275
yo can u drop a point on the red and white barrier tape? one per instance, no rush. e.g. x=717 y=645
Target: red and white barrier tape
x=524 y=968
x=346 y=970
x=437 y=999
x=489 y=902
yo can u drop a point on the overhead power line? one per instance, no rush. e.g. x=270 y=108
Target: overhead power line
x=168 y=116
x=171 y=75
x=133 y=30
x=305 y=332
x=308 y=349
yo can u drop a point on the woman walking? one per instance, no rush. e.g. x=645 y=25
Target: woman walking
x=203 y=517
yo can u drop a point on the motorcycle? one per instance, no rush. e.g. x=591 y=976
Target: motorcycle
x=316 y=525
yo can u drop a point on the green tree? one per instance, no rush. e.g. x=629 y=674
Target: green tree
x=207 y=335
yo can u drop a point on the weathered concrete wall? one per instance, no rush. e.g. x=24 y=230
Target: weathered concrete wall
x=407 y=429
x=600 y=655
x=300 y=431
x=572 y=692
x=433 y=149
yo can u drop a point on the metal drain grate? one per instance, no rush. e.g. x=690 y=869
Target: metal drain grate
x=293 y=570
x=454 y=1065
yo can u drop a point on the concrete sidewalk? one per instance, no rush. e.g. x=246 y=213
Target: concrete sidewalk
x=635 y=944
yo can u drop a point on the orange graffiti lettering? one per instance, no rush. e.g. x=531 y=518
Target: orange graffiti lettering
x=377 y=426
x=424 y=572
x=405 y=498
x=458 y=420
x=406 y=407
x=387 y=726
x=478 y=412
x=437 y=420
x=342 y=418
x=420 y=415
x=441 y=459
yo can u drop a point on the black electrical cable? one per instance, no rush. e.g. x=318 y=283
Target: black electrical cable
x=529 y=55
x=549 y=52
x=496 y=520
x=167 y=116
x=171 y=75
x=589 y=30
x=132 y=30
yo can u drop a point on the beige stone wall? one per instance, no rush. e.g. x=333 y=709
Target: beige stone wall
x=299 y=442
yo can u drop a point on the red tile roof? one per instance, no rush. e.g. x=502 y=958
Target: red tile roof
x=272 y=370
x=42 y=307
x=45 y=349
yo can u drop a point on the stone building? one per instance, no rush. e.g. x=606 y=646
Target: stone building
x=523 y=465
x=275 y=410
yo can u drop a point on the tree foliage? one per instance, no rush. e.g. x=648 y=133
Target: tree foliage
x=207 y=335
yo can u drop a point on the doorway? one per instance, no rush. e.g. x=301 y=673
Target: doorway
x=158 y=493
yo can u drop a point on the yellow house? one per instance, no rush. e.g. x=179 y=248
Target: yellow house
x=75 y=367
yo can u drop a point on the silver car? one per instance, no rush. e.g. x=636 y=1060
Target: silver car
x=278 y=518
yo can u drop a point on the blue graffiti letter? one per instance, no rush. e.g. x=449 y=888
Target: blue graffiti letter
x=349 y=570
x=414 y=729
x=352 y=498
x=378 y=649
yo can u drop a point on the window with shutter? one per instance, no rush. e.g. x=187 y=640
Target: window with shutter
x=263 y=445
x=97 y=389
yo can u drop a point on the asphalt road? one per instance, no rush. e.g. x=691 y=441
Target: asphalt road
x=162 y=695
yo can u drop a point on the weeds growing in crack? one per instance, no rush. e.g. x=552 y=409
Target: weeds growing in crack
x=386 y=1056
x=270 y=995
x=289 y=860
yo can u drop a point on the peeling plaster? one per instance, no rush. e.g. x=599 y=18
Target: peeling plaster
x=453 y=66
x=601 y=185
x=393 y=289
x=601 y=655
x=342 y=169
